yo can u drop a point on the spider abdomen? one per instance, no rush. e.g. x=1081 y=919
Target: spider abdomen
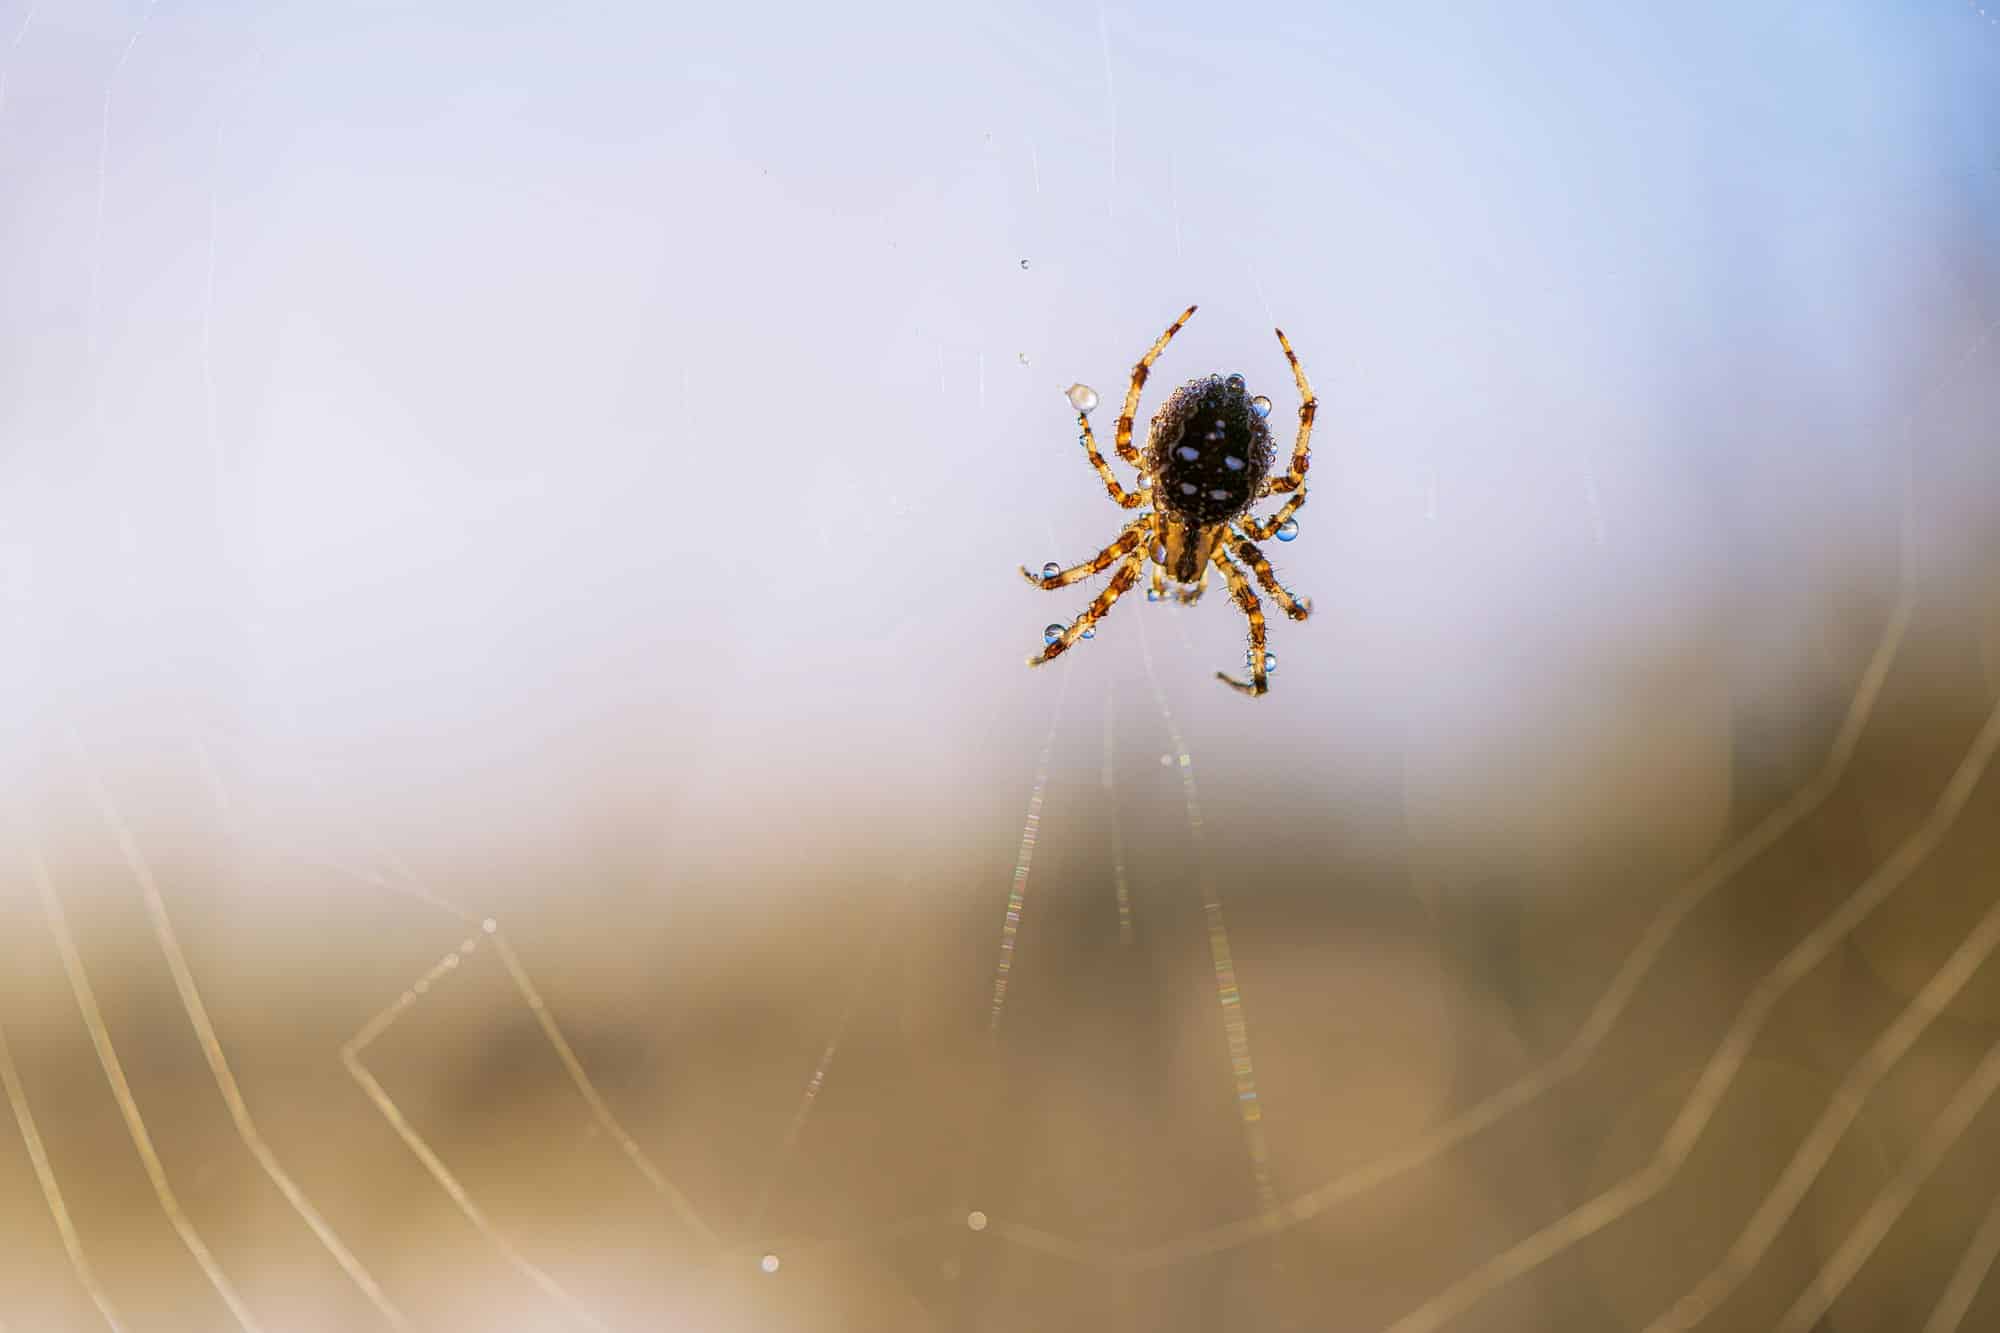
x=1209 y=451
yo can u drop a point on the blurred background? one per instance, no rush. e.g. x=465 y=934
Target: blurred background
x=520 y=803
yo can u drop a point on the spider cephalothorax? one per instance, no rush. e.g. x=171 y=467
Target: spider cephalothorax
x=1208 y=458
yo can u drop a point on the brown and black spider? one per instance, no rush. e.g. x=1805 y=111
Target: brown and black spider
x=1208 y=456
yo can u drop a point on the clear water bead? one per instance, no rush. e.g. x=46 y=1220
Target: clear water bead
x=1050 y=633
x=1261 y=405
x=1159 y=553
x=1235 y=383
x=1088 y=634
x=1051 y=569
x=1083 y=398
x=1270 y=663
x=769 y=1263
x=1288 y=530
x=1153 y=594
x=1024 y=263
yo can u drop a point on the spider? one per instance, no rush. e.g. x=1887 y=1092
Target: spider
x=1208 y=457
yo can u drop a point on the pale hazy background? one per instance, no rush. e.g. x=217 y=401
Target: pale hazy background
x=563 y=471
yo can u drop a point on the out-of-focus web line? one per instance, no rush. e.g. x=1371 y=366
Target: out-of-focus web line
x=1110 y=111
x=1817 y=1148
x=1643 y=1185
x=1968 y=1277
x=408 y=882
x=813 y=1087
x=1228 y=995
x=1120 y=887
x=20 y=34
x=1888 y=1206
x=121 y=1091
x=211 y=1044
x=103 y=183
x=1024 y=860
x=45 y=1175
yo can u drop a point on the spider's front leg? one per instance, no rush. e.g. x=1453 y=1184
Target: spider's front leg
x=1134 y=535
x=1126 y=449
x=1295 y=479
x=1253 y=611
x=1121 y=497
x=1126 y=578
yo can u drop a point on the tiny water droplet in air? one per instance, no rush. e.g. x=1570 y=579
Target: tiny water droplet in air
x=1024 y=263
x=1023 y=356
x=1288 y=530
x=1261 y=405
x=976 y=1220
x=769 y=1263
x=1166 y=760
x=1050 y=633
x=1051 y=569
x=1083 y=398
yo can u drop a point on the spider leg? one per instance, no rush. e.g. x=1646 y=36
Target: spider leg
x=1298 y=608
x=1139 y=373
x=1134 y=535
x=1295 y=480
x=1121 y=497
x=1121 y=583
x=1269 y=527
x=1253 y=611
x=1187 y=596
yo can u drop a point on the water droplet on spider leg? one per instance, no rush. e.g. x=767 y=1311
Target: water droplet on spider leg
x=1288 y=530
x=1088 y=634
x=1261 y=406
x=1050 y=633
x=1270 y=662
x=1083 y=398
x=1051 y=569
x=1159 y=553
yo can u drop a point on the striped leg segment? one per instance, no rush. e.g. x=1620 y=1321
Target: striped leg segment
x=1122 y=582
x=1134 y=536
x=1253 y=611
x=1269 y=527
x=1298 y=608
x=1121 y=497
x=1126 y=450
x=1295 y=480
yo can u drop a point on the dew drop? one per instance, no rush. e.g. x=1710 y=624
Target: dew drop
x=769 y=1263
x=976 y=1220
x=1187 y=453
x=1159 y=553
x=1088 y=634
x=1024 y=263
x=1261 y=406
x=1270 y=662
x=1232 y=462
x=1023 y=356
x=1051 y=569
x=1234 y=383
x=1153 y=594
x=1288 y=530
x=1050 y=633
x=1083 y=398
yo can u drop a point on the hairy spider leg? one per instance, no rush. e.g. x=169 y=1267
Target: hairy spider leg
x=1253 y=610
x=1121 y=583
x=1121 y=497
x=1248 y=553
x=1134 y=535
x=1188 y=595
x=1126 y=450
x=1159 y=584
x=1269 y=527
x=1295 y=480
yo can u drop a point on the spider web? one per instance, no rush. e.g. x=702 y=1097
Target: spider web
x=543 y=971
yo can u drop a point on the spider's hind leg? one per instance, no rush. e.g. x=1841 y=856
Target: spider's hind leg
x=1253 y=611
x=1298 y=608
x=1122 y=582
